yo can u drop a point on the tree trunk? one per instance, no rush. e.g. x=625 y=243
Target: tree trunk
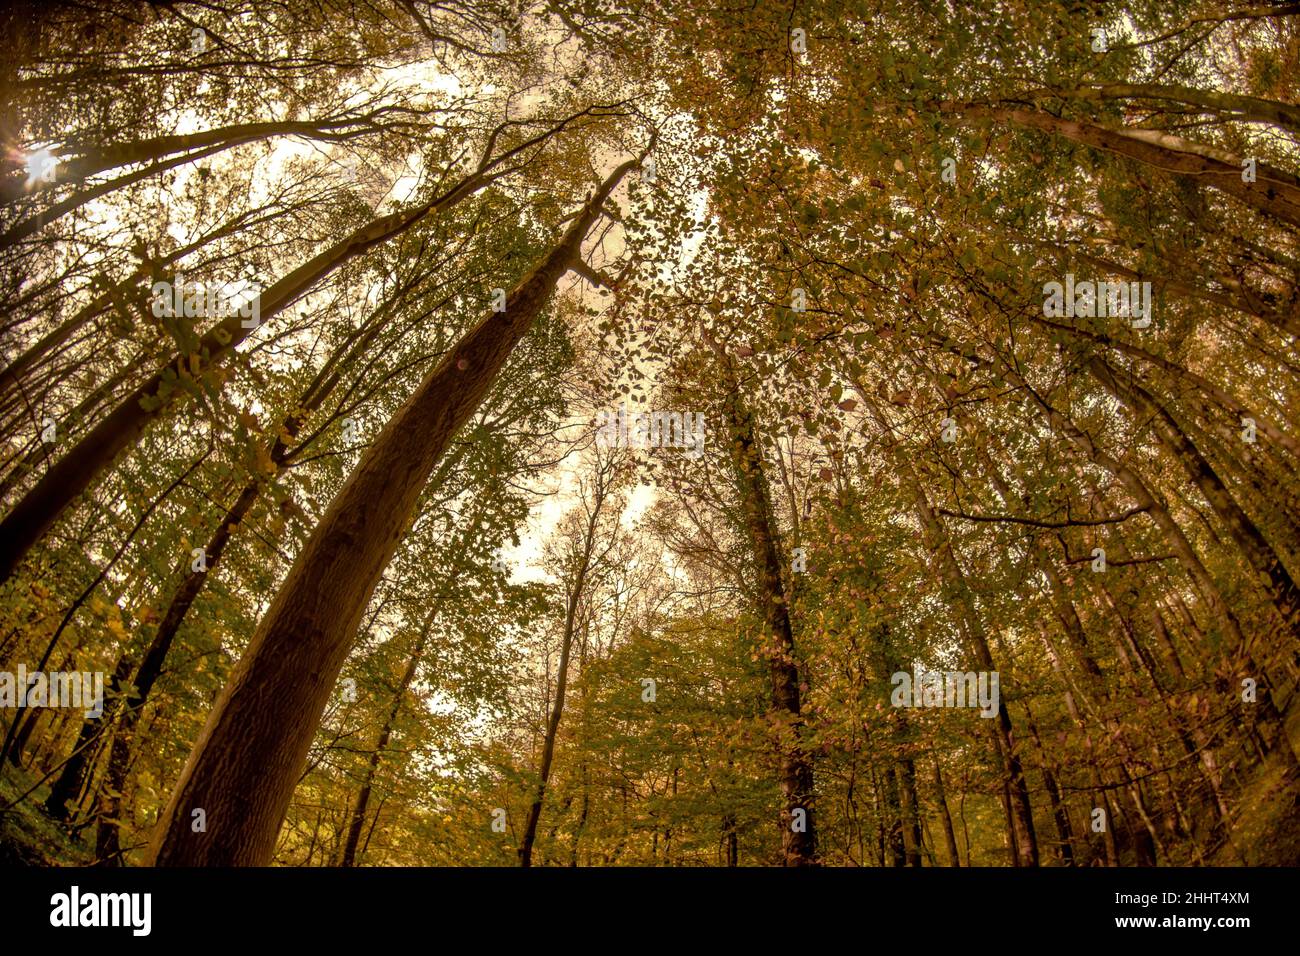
x=192 y=580
x=93 y=162
x=949 y=836
x=1060 y=814
x=1282 y=590
x=799 y=847
x=349 y=855
x=73 y=775
x=911 y=811
x=892 y=821
x=562 y=670
x=1230 y=106
x=244 y=766
x=1275 y=192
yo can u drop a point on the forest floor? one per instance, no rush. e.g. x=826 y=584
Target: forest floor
x=28 y=836
x=1266 y=814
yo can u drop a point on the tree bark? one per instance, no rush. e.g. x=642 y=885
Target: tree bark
x=949 y=835
x=1060 y=814
x=73 y=775
x=93 y=162
x=244 y=766
x=1231 y=106
x=1282 y=591
x=799 y=848
x=911 y=811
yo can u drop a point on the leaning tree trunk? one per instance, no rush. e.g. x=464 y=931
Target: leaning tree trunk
x=1268 y=566
x=1060 y=813
x=1276 y=192
x=911 y=811
x=552 y=732
x=93 y=162
x=155 y=657
x=243 y=768
x=1223 y=106
x=73 y=775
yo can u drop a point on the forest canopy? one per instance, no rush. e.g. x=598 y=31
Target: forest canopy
x=623 y=433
